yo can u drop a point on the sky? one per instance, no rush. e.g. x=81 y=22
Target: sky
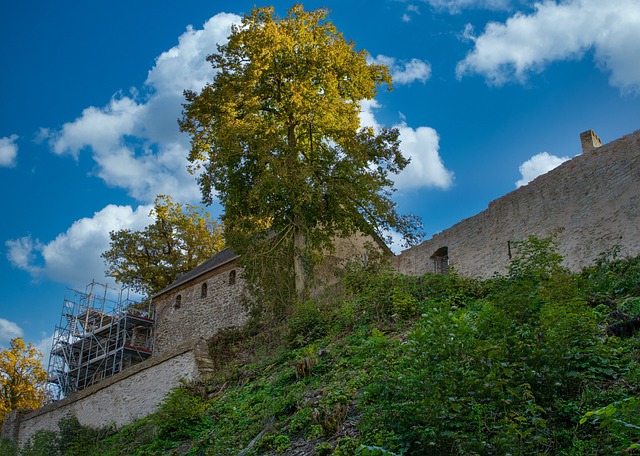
x=487 y=95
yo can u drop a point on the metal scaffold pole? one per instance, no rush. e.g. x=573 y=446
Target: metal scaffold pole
x=101 y=332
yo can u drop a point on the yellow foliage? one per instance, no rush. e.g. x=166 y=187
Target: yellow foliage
x=22 y=378
x=181 y=237
x=277 y=137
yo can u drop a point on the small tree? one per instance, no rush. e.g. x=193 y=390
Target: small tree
x=148 y=260
x=277 y=135
x=536 y=258
x=22 y=378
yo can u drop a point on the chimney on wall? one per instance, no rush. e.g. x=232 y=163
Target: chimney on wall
x=589 y=141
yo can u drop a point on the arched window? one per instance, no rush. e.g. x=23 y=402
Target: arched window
x=203 y=290
x=232 y=277
x=178 y=302
x=441 y=260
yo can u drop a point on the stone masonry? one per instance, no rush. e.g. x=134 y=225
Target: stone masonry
x=591 y=203
x=201 y=303
x=121 y=399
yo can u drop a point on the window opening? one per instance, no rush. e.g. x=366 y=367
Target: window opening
x=441 y=260
x=232 y=277
x=178 y=302
x=203 y=290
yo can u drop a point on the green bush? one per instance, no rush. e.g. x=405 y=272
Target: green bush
x=306 y=324
x=8 y=448
x=505 y=375
x=72 y=439
x=179 y=416
x=43 y=443
x=437 y=364
x=611 y=277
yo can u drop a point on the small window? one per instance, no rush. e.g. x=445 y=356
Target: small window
x=178 y=302
x=441 y=260
x=203 y=290
x=232 y=277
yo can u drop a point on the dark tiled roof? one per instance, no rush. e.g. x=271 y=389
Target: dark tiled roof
x=220 y=258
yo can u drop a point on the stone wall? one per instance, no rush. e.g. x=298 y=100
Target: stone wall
x=591 y=203
x=121 y=399
x=357 y=248
x=197 y=316
x=202 y=317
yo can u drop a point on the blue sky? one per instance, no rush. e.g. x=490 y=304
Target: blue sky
x=487 y=94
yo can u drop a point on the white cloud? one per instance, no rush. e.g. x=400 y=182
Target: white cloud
x=421 y=145
x=538 y=165
x=394 y=241
x=21 y=254
x=184 y=66
x=8 y=151
x=73 y=257
x=134 y=139
x=558 y=31
x=411 y=9
x=405 y=72
x=455 y=6
x=367 y=117
x=8 y=331
x=426 y=168
x=100 y=128
x=44 y=346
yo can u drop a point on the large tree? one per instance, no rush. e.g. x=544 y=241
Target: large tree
x=22 y=378
x=277 y=136
x=180 y=238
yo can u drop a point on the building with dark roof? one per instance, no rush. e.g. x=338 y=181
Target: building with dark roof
x=200 y=303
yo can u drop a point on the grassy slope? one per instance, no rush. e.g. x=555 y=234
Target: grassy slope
x=427 y=365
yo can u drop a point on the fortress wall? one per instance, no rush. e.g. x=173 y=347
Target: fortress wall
x=199 y=317
x=591 y=203
x=357 y=248
x=121 y=399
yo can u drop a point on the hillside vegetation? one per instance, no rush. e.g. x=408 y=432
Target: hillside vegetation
x=539 y=361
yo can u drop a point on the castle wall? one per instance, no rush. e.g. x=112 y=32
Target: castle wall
x=591 y=203
x=357 y=248
x=196 y=316
x=121 y=399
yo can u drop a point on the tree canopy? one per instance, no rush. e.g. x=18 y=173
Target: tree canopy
x=277 y=137
x=22 y=378
x=148 y=260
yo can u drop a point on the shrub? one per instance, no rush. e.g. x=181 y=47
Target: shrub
x=611 y=277
x=8 y=448
x=43 y=443
x=306 y=325
x=179 y=416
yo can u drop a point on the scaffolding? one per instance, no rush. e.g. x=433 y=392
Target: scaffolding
x=101 y=332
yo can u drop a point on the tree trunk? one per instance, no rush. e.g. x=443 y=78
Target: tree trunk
x=299 y=247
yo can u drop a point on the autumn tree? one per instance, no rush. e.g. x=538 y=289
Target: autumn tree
x=22 y=378
x=277 y=137
x=180 y=238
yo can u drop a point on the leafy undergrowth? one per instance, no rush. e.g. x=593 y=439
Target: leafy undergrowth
x=524 y=364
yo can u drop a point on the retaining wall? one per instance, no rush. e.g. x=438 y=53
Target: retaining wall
x=121 y=399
